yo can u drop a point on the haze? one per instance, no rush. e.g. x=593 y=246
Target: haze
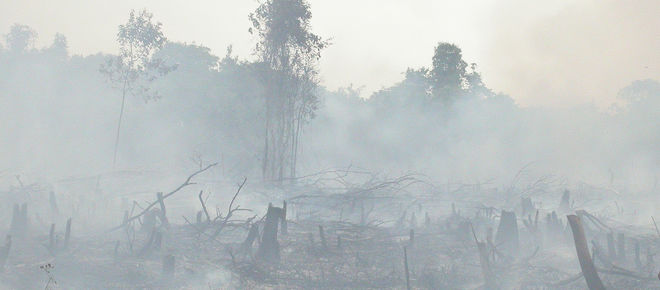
x=556 y=53
x=307 y=144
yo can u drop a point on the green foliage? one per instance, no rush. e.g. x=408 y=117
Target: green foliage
x=286 y=41
x=20 y=38
x=448 y=72
x=288 y=53
x=135 y=67
x=449 y=80
x=641 y=91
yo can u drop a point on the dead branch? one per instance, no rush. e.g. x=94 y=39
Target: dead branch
x=206 y=212
x=231 y=210
x=146 y=209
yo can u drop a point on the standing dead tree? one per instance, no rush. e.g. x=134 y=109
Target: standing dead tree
x=582 y=248
x=405 y=264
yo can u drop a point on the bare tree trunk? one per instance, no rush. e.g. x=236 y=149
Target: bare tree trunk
x=285 y=228
x=405 y=264
x=121 y=115
x=264 y=168
x=163 y=211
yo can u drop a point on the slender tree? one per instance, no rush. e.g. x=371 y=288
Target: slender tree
x=289 y=53
x=136 y=67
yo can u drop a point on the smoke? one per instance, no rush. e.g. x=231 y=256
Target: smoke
x=582 y=51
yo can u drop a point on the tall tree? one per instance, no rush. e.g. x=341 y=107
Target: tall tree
x=136 y=67
x=20 y=38
x=448 y=72
x=289 y=53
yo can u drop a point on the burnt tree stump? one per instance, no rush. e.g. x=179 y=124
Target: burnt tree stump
x=507 y=233
x=246 y=246
x=269 y=248
x=4 y=252
x=284 y=226
x=565 y=203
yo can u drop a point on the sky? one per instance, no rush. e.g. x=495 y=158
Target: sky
x=542 y=53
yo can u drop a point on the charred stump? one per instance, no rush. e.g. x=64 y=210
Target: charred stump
x=565 y=203
x=284 y=226
x=269 y=248
x=4 y=252
x=405 y=264
x=621 y=248
x=507 y=233
x=638 y=260
x=246 y=246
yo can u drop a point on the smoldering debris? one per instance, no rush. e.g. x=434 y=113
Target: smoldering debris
x=341 y=232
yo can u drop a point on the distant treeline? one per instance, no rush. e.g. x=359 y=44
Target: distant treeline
x=58 y=113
